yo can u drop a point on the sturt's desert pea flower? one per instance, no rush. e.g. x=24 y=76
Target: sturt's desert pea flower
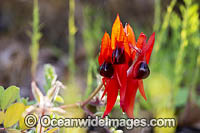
x=123 y=64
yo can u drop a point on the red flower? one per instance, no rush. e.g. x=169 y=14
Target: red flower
x=138 y=71
x=119 y=74
x=113 y=61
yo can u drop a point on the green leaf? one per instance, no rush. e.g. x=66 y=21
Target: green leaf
x=22 y=125
x=1 y=116
x=1 y=93
x=1 y=89
x=31 y=102
x=13 y=114
x=50 y=75
x=9 y=96
x=23 y=100
x=59 y=99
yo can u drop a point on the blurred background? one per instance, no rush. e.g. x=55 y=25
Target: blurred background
x=69 y=36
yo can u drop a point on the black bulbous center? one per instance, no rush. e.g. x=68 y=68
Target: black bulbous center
x=143 y=70
x=106 y=70
x=118 y=56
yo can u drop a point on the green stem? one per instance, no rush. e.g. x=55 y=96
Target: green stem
x=72 y=31
x=34 y=49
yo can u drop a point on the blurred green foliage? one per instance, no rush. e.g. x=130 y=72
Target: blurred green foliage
x=92 y=33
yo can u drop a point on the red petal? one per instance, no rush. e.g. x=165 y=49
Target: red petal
x=118 y=33
x=141 y=89
x=121 y=74
x=149 y=47
x=101 y=60
x=130 y=97
x=106 y=51
x=141 y=41
x=112 y=92
x=130 y=38
x=127 y=49
x=130 y=35
x=133 y=69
